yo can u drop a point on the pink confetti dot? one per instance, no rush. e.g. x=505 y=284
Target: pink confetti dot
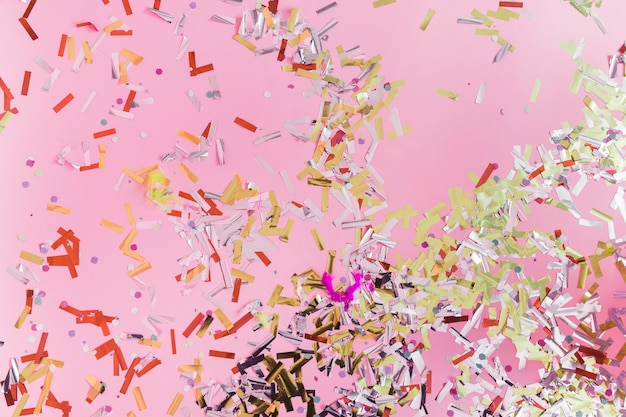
x=119 y=101
x=508 y=368
x=450 y=413
x=45 y=268
x=108 y=409
x=133 y=247
x=63 y=303
x=159 y=71
x=30 y=162
x=290 y=86
x=138 y=294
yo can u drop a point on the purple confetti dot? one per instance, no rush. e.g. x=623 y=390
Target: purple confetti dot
x=190 y=382
x=453 y=391
x=342 y=374
x=343 y=280
x=133 y=247
x=300 y=410
x=138 y=294
x=192 y=5
x=45 y=268
x=25 y=184
x=54 y=199
x=456 y=397
x=525 y=182
x=192 y=224
x=43 y=248
x=119 y=101
x=94 y=259
x=361 y=141
x=71 y=333
x=159 y=71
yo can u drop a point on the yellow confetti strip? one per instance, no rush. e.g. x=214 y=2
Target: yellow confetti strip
x=22 y=317
x=20 y=405
x=31 y=257
x=131 y=56
x=112 y=226
x=381 y=3
x=293 y=18
x=192 y=177
x=249 y=45
x=223 y=319
x=141 y=404
x=178 y=398
x=448 y=94
x=535 y=93
x=427 y=19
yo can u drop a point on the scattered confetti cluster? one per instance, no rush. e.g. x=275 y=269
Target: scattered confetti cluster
x=368 y=319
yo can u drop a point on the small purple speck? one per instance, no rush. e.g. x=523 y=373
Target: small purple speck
x=190 y=382
x=54 y=199
x=361 y=141
x=71 y=333
x=192 y=224
x=159 y=71
x=342 y=374
x=192 y=5
x=94 y=259
x=41 y=294
x=300 y=410
x=525 y=182
x=25 y=184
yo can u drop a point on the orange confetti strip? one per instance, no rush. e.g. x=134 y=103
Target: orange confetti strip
x=87 y=53
x=62 y=45
x=19 y=408
x=153 y=364
x=28 y=28
x=141 y=403
x=123 y=73
x=112 y=26
x=511 y=4
x=157 y=4
x=61 y=104
x=26 y=83
x=103 y=133
x=221 y=354
x=194 y=323
x=29 y=9
x=88 y=24
x=464 y=356
x=200 y=70
x=128 y=32
x=192 y=177
x=191 y=138
x=140 y=269
x=127 y=7
x=71 y=48
x=245 y=124
x=129 y=375
x=131 y=56
x=57 y=209
x=178 y=398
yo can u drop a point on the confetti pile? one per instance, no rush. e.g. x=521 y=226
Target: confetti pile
x=369 y=316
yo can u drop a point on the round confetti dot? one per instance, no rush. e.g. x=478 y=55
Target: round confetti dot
x=103 y=122
x=450 y=413
x=54 y=199
x=114 y=139
x=608 y=392
x=527 y=109
x=159 y=71
x=33 y=327
x=39 y=327
x=267 y=94
x=343 y=280
x=138 y=294
x=209 y=312
x=21 y=236
x=190 y=382
x=300 y=410
x=361 y=141
x=496 y=178
x=108 y=409
x=94 y=259
x=115 y=322
x=38 y=301
x=133 y=247
x=119 y=101
x=31 y=339
x=387 y=87
x=25 y=184
x=508 y=368
x=191 y=224
x=478 y=365
x=424 y=245
x=134 y=310
x=45 y=268
x=436 y=310
x=342 y=374
x=317 y=399
x=541 y=342
x=192 y=5
x=518 y=269
x=482 y=356
x=30 y=162
x=85 y=348
x=63 y=303
x=38 y=173
x=143 y=134
x=41 y=294
x=290 y=86
x=187 y=388
x=525 y=182
x=209 y=94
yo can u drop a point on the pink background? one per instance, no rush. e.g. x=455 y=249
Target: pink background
x=448 y=140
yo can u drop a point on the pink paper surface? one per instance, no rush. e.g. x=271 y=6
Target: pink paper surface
x=448 y=140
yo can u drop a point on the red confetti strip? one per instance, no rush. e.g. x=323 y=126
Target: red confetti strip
x=61 y=104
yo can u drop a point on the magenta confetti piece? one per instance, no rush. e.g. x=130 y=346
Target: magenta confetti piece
x=345 y=297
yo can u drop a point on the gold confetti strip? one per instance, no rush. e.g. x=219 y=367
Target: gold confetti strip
x=57 y=209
